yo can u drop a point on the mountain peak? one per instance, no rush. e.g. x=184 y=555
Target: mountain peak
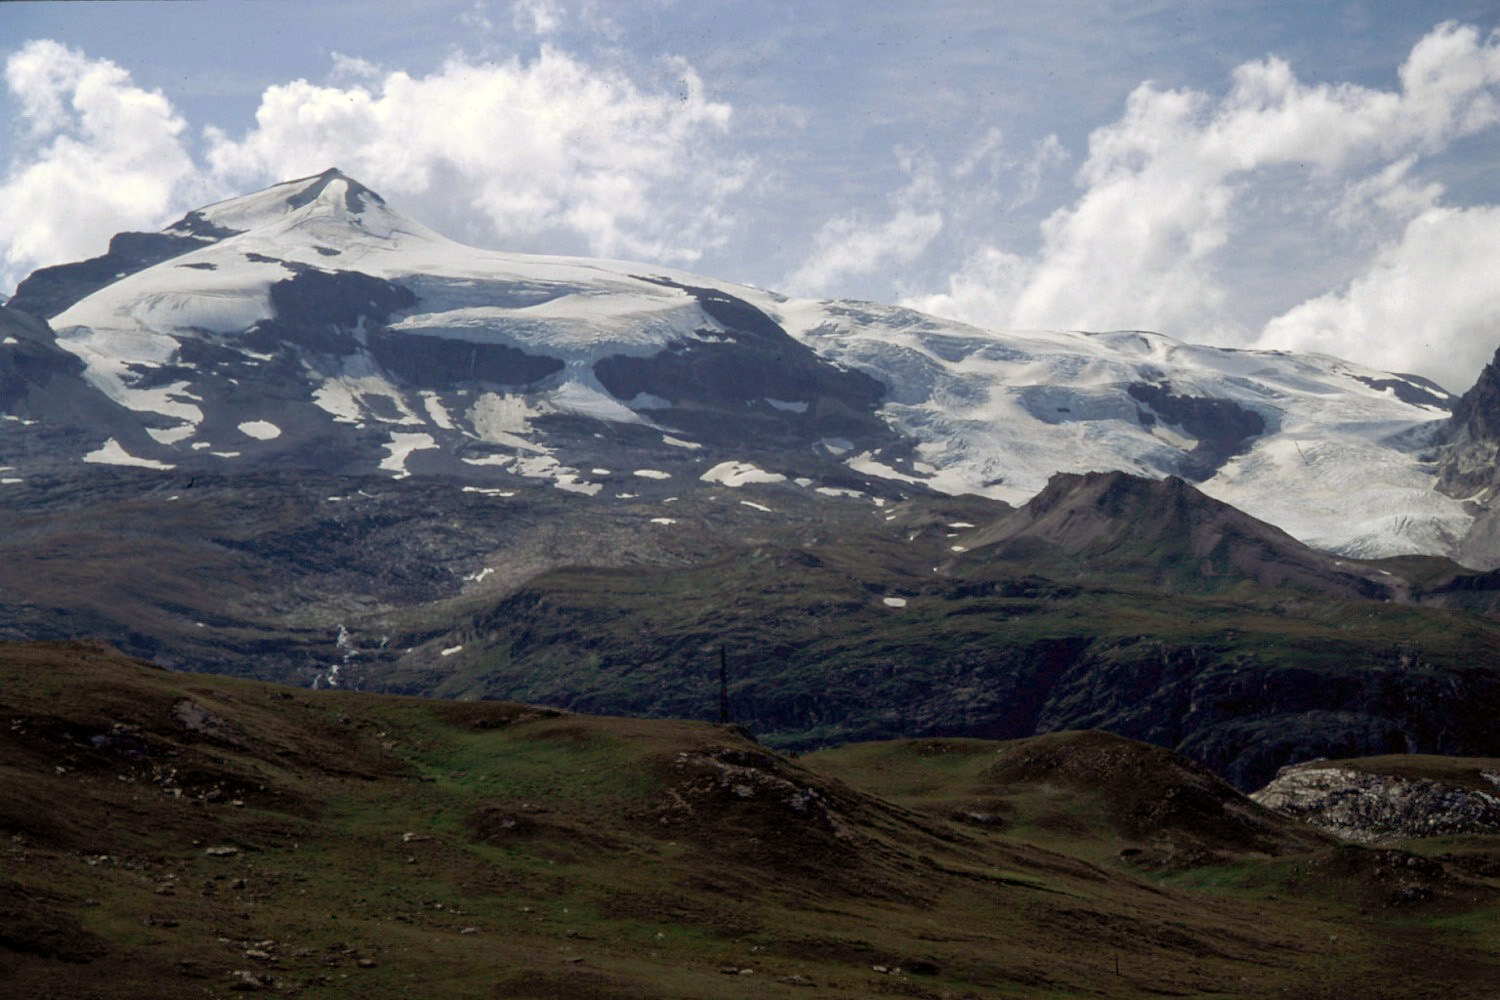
x=1106 y=522
x=333 y=188
x=335 y=206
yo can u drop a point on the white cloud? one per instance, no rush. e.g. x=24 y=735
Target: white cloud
x=1046 y=153
x=100 y=155
x=352 y=68
x=1429 y=303
x=985 y=286
x=549 y=155
x=985 y=153
x=854 y=245
x=540 y=17
x=1173 y=192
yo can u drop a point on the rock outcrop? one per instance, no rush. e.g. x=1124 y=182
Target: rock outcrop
x=1370 y=807
x=1467 y=466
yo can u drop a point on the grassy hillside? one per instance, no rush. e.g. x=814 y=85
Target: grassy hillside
x=180 y=835
x=830 y=644
x=1144 y=609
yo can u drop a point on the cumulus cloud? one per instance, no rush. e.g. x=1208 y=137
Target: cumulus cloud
x=988 y=177
x=1429 y=302
x=550 y=154
x=97 y=155
x=854 y=245
x=1168 y=192
x=540 y=17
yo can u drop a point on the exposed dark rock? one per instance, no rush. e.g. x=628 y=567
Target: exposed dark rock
x=1412 y=389
x=1470 y=442
x=59 y=414
x=719 y=387
x=355 y=193
x=441 y=363
x=196 y=224
x=339 y=298
x=50 y=290
x=1222 y=427
x=1468 y=464
x=321 y=310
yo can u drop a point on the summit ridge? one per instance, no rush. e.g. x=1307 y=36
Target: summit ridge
x=372 y=343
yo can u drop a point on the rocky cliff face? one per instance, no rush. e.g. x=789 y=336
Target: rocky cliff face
x=1467 y=467
x=1373 y=807
x=1471 y=440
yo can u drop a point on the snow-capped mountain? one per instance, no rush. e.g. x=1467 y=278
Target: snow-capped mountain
x=310 y=324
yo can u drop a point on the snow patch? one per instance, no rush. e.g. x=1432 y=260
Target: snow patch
x=646 y=401
x=780 y=404
x=663 y=520
x=836 y=445
x=172 y=435
x=400 y=447
x=894 y=602
x=112 y=453
x=652 y=474
x=756 y=506
x=343 y=396
x=679 y=443
x=503 y=420
x=334 y=397
x=451 y=650
x=436 y=412
x=261 y=430
x=587 y=401
x=572 y=484
x=736 y=474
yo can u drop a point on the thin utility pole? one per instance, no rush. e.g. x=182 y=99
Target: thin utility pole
x=723 y=686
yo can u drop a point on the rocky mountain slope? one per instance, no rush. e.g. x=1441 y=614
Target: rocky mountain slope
x=842 y=619
x=311 y=325
x=1468 y=448
x=1164 y=531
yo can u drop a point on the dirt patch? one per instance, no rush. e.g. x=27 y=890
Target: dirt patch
x=491 y=714
x=511 y=822
x=34 y=922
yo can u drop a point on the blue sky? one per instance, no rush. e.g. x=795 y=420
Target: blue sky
x=1290 y=175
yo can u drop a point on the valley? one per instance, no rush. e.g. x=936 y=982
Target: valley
x=364 y=595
